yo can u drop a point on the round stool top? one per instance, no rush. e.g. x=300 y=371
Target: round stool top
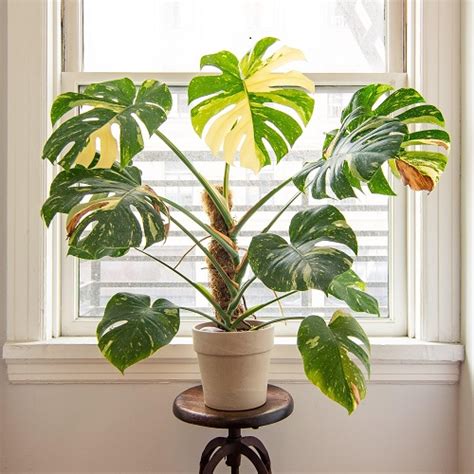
x=189 y=407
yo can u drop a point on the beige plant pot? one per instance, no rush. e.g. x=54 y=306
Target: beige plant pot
x=234 y=366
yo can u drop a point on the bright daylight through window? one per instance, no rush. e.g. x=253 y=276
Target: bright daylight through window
x=349 y=36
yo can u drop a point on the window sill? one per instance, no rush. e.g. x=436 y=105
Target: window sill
x=78 y=360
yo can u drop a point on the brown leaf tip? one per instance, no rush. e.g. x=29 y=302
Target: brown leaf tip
x=413 y=178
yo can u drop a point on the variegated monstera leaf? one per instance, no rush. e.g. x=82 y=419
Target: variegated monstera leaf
x=87 y=139
x=373 y=132
x=133 y=328
x=325 y=351
x=251 y=107
x=303 y=264
x=109 y=211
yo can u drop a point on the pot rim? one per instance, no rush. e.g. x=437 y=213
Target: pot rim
x=197 y=328
x=233 y=344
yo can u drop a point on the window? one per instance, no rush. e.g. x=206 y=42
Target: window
x=347 y=43
x=172 y=35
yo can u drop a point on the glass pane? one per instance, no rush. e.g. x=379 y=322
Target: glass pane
x=99 y=280
x=172 y=35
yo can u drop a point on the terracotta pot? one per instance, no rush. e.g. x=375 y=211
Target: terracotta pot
x=234 y=366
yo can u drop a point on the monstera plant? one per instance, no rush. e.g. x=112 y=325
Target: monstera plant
x=249 y=112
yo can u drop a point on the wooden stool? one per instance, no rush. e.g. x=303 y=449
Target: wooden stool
x=189 y=407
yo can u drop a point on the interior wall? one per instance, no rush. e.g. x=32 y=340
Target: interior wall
x=129 y=428
x=3 y=207
x=466 y=405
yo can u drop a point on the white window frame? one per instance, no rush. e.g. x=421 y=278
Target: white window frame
x=34 y=268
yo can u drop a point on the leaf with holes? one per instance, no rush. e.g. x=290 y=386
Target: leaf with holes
x=133 y=329
x=301 y=264
x=325 y=351
x=373 y=133
x=355 y=157
x=109 y=211
x=249 y=103
x=84 y=136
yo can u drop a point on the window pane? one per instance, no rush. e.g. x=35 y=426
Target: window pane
x=172 y=35
x=99 y=280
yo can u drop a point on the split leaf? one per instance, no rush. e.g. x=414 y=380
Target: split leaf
x=246 y=106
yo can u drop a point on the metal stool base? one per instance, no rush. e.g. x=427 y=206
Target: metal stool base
x=233 y=448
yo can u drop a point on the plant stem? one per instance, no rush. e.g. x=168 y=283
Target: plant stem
x=224 y=241
x=231 y=286
x=215 y=196
x=204 y=315
x=242 y=268
x=277 y=320
x=258 y=307
x=235 y=302
x=185 y=254
x=280 y=306
x=225 y=187
x=237 y=227
x=244 y=262
x=204 y=292
x=280 y=212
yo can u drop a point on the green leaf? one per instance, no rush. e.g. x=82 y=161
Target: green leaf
x=321 y=224
x=355 y=157
x=328 y=138
x=325 y=352
x=398 y=100
x=350 y=288
x=369 y=136
x=109 y=211
x=347 y=331
x=365 y=99
x=133 y=329
x=431 y=137
x=241 y=101
x=302 y=265
x=422 y=114
x=378 y=184
x=114 y=102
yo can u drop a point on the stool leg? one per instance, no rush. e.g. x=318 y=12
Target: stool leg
x=217 y=457
x=233 y=459
x=208 y=450
x=233 y=448
x=253 y=442
x=254 y=458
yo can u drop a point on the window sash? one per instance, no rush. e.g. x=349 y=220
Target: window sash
x=396 y=322
x=396 y=13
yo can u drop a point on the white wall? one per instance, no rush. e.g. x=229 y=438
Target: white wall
x=3 y=161
x=466 y=406
x=117 y=428
x=130 y=428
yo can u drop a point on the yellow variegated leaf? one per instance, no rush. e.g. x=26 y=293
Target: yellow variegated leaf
x=374 y=132
x=103 y=142
x=325 y=351
x=119 y=103
x=242 y=107
x=266 y=78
